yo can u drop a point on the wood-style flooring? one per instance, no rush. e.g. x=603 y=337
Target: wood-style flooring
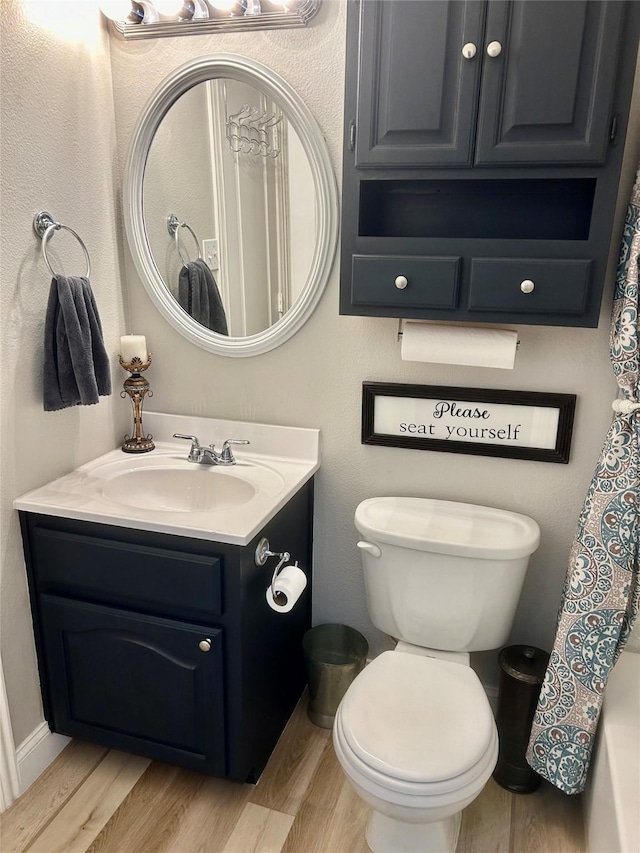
x=94 y=800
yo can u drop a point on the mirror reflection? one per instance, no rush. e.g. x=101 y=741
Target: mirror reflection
x=229 y=207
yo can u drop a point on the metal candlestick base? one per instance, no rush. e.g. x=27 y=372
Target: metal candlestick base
x=136 y=387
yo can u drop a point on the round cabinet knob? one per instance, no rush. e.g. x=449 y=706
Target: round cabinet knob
x=469 y=50
x=527 y=286
x=494 y=48
x=204 y=645
x=401 y=282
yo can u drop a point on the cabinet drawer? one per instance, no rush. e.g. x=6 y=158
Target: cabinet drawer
x=111 y=571
x=500 y=284
x=432 y=282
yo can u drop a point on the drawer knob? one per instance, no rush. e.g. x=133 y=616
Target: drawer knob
x=205 y=645
x=401 y=282
x=527 y=286
x=469 y=50
x=494 y=48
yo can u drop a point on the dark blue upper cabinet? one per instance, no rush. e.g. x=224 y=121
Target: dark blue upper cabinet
x=483 y=149
x=417 y=94
x=497 y=83
x=548 y=76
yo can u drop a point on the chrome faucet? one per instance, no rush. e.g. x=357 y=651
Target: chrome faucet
x=209 y=455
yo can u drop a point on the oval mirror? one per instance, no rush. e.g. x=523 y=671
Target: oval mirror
x=230 y=205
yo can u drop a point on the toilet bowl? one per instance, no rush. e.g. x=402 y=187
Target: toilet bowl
x=416 y=738
x=415 y=734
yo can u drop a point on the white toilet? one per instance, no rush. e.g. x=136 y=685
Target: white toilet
x=415 y=734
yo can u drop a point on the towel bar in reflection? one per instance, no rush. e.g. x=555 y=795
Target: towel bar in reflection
x=45 y=225
x=173 y=227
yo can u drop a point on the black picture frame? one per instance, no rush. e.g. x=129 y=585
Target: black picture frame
x=565 y=403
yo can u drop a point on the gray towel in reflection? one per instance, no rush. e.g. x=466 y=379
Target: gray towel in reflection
x=198 y=294
x=76 y=365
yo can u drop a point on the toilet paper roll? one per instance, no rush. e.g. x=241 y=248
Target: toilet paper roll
x=287 y=589
x=459 y=345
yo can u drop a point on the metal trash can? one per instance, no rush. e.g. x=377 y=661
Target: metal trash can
x=334 y=655
x=522 y=670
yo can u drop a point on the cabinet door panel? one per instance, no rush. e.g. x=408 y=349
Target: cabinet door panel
x=134 y=681
x=416 y=92
x=547 y=96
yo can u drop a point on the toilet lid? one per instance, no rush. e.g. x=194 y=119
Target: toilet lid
x=416 y=718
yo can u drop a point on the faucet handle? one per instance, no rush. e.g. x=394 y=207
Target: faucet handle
x=195 y=451
x=195 y=443
x=225 y=454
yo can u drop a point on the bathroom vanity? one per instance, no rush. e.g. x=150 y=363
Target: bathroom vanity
x=482 y=154
x=163 y=644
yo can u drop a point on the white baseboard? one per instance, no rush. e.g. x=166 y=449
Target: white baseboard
x=36 y=752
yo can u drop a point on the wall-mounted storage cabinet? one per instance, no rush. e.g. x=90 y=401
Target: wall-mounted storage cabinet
x=481 y=137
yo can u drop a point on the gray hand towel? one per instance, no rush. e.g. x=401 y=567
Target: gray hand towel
x=76 y=365
x=198 y=294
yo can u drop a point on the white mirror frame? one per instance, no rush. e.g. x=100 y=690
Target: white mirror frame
x=326 y=201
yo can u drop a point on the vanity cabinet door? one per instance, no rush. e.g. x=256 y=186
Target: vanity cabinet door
x=138 y=683
x=417 y=93
x=548 y=78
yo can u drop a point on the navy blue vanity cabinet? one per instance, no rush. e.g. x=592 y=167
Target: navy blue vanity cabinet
x=164 y=646
x=483 y=136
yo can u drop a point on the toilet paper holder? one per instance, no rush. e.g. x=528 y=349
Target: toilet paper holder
x=262 y=554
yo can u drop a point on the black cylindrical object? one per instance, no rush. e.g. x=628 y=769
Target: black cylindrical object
x=522 y=670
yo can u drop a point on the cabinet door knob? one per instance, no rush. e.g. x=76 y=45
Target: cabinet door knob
x=527 y=285
x=494 y=48
x=205 y=645
x=401 y=282
x=469 y=50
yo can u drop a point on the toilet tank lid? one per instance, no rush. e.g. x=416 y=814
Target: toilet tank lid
x=445 y=527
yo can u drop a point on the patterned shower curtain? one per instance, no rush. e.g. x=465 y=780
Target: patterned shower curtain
x=601 y=593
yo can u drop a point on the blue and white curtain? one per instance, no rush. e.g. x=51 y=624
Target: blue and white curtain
x=602 y=588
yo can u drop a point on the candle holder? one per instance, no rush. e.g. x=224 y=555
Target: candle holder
x=136 y=387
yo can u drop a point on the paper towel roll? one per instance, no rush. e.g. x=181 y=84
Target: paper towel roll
x=459 y=345
x=287 y=589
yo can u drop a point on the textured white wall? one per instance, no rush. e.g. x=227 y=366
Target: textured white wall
x=315 y=378
x=58 y=154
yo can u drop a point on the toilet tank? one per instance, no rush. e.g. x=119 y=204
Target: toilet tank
x=443 y=575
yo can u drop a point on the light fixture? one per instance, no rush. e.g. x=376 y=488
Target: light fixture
x=130 y=11
x=182 y=10
x=169 y=8
x=136 y=19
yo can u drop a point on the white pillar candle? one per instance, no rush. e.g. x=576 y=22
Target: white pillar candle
x=133 y=346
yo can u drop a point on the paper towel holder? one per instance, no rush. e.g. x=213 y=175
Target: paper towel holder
x=402 y=321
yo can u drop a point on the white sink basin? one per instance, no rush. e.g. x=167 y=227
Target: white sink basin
x=171 y=490
x=163 y=491
x=176 y=485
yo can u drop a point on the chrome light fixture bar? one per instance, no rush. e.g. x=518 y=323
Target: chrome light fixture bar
x=255 y=17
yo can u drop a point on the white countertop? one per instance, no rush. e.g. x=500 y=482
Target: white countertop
x=277 y=463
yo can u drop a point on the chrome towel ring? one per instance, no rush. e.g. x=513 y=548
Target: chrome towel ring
x=44 y=225
x=173 y=227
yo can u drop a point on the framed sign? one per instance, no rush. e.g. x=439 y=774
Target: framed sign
x=483 y=422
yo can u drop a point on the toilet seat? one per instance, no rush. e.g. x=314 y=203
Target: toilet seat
x=452 y=792
x=417 y=726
